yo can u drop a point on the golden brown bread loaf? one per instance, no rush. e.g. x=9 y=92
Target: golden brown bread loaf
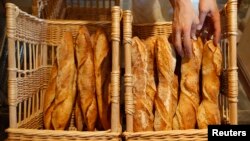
x=152 y=75
x=92 y=39
x=79 y=123
x=151 y=61
x=102 y=65
x=65 y=83
x=86 y=78
x=208 y=111
x=151 y=67
x=49 y=98
x=143 y=117
x=185 y=117
x=175 y=93
x=165 y=99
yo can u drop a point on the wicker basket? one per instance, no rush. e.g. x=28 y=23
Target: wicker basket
x=32 y=44
x=74 y=9
x=229 y=87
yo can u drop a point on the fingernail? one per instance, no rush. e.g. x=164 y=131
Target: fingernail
x=194 y=37
x=199 y=27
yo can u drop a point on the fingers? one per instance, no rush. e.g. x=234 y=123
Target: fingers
x=217 y=26
x=209 y=8
x=182 y=41
x=177 y=42
x=187 y=43
x=193 y=32
x=202 y=17
x=194 y=28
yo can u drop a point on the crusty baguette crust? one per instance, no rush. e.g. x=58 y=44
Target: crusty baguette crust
x=165 y=100
x=185 y=117
x=49 y=98
x=86 y=78
x=151 y=69
x=65 y=83
x=151 y=66
x=175 y=95
x=208 y=111
x=79 y=121
x=143 y=116
x=102 y=63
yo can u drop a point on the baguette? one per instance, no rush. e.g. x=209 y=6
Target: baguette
x=165 y=101
x=185 y=117
x=79 y=123
x=92 y=39
x=86 y=78
x=151 y=68
x=175 y=94
x=151 y=61
x=49 y=98
x=65 y=83
x=208 y=111
x=143 y=117
x=102 y=65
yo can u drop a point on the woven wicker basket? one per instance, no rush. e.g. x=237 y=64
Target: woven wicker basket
x=32 y=46
x=74 y=9
x=229 y=85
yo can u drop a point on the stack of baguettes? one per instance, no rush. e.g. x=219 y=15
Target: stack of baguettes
x=80 y=83
x=168 y=96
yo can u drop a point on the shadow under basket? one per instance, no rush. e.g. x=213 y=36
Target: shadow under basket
x=229 y=78
x=32 y=44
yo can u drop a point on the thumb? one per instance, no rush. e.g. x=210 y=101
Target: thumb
x=202 y=17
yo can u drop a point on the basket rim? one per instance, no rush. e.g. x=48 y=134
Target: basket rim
x=168 y=132
x=58 y=133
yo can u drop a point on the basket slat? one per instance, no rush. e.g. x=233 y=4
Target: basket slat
x=129 y=108
x=231 y=11
x=31 y=134
x=173 y=135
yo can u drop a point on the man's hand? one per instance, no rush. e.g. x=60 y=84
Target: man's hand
x=185 y=23
x=208 y=9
